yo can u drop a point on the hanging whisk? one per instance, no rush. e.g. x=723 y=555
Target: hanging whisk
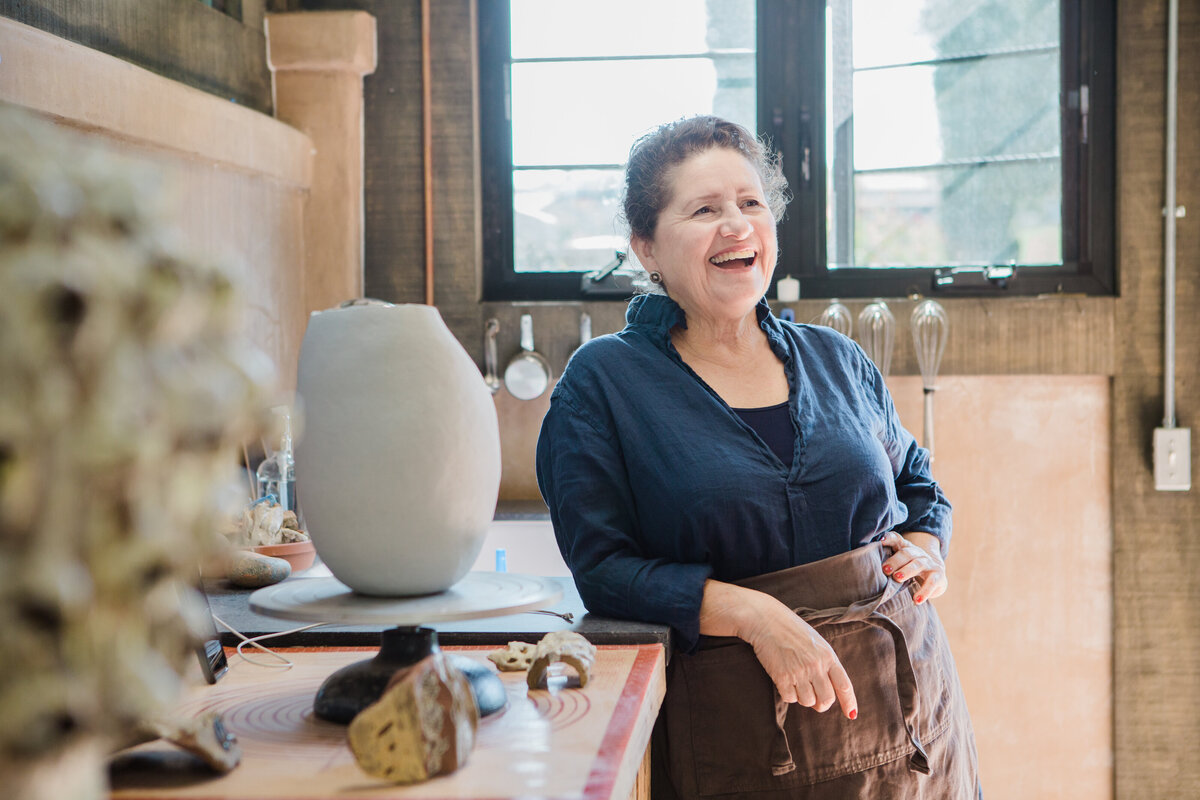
x=929 y=329
x=836 y=316
x=877 y=327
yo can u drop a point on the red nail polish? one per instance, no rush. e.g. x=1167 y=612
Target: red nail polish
x=919 y=600
x=853 y=713
x=899 y=576
x=887 y=569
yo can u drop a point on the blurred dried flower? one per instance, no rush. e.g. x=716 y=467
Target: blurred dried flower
x=125 y=391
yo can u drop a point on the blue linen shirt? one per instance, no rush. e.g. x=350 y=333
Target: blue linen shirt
x=655 y=484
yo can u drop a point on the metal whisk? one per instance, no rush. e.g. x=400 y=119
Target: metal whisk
x=929 y=329
x=836 y=316
x=877 y=327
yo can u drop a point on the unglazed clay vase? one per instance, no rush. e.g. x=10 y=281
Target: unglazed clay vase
x=398 y=467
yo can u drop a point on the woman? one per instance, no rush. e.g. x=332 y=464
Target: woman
x=746 y=481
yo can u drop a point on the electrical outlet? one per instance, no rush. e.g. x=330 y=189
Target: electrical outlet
x=1173 y=459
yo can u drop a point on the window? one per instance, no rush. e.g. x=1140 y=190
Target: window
x=930 y=145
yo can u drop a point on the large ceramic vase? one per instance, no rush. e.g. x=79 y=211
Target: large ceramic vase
x=398 y=467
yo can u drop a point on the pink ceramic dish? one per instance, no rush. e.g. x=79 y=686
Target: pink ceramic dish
x=299 y=554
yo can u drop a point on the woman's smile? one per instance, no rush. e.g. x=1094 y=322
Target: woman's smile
x=734 y=259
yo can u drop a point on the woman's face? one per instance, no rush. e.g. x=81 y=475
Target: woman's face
x=714 y=244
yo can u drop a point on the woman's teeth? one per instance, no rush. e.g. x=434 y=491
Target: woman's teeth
x=744 y=258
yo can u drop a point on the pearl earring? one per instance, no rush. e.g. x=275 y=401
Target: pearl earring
x=656 y=277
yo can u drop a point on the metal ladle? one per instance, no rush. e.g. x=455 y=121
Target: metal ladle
x=929 y=329
x=527 y=376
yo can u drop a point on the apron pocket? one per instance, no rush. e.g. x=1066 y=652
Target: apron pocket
x=737 y=745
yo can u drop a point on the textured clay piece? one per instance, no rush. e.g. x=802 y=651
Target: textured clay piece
x=514 y=658
x=205 y=736
x=565 y=646
x=423 y=725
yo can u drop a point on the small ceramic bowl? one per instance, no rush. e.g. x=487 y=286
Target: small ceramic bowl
x=299 y=554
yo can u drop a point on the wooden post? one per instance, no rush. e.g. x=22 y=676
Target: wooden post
x=318 y=60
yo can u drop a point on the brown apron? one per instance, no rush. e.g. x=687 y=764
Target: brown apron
x=724 y=729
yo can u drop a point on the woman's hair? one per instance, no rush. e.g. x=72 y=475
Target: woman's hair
x=647 y=185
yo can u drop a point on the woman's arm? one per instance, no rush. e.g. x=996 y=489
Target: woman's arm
x=922 y=541
x=584 y=480
x=929 y=512
x=798 y=660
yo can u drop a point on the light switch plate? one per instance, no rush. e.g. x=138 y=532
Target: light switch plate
x=1173 y=459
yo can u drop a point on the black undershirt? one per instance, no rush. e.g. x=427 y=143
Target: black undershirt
x=773 y=424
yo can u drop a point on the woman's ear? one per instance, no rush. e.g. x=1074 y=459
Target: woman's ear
x=644 y=250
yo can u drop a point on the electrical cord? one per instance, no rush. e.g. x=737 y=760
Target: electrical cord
x=246 y=640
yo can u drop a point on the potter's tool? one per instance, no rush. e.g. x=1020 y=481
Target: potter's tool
x=836 y=316
x=877 y=327
x=527 y=376
x=929 y=329
x=489 y=355
x=353 y=688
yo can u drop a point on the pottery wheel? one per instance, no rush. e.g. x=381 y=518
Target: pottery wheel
x=353 y=688
x=478 y=595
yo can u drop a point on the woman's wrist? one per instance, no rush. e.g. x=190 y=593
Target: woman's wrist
x=926 y=541
x=730 y=610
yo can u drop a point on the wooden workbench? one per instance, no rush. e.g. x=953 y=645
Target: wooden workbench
x=561 y=742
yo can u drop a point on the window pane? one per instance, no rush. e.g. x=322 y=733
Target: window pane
x=894 y=32
x=575 y=29
x=565 y=219
x=990 y=214
x=910 y=116
x=951 y=163
x=624 y=99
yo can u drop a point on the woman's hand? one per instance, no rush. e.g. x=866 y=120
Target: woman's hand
x=799 y=661
x=918 y=556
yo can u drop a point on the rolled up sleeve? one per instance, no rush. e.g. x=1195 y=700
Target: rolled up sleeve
x=928 y=508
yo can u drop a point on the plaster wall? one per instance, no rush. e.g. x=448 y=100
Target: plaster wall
x=236 y=180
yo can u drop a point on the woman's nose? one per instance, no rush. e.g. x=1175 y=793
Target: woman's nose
x=735 y=224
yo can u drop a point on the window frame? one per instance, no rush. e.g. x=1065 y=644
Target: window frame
x=790 y=56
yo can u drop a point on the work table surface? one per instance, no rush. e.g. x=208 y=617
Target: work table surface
x=561 y=741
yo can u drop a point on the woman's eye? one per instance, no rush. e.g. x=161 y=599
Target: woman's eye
x=704 y=210
x=753 y=203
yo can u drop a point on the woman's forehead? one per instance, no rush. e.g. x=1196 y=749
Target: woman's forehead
x=712 y=173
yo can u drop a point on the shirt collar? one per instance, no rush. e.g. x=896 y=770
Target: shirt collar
x=658 y=314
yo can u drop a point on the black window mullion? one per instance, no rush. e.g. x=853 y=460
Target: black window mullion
x=1096 y=208
x=791 y=112
x=495 y=49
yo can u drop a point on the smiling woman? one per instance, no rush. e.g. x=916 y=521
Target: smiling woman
x=747 y=482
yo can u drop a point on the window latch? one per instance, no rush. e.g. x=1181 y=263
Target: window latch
x=607 y=281
x=996 y=276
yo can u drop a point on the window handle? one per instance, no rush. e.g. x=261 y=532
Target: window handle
x=806 y=153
